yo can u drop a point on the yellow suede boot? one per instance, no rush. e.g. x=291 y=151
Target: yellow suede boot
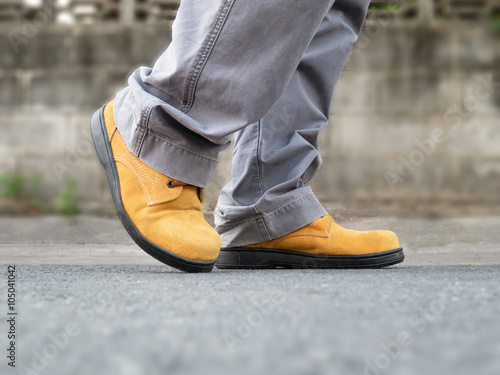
x=321 y=244
x=162 y=215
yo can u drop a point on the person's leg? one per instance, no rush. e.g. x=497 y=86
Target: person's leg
x=267 y=216
x=228 y=63
x=276 y=157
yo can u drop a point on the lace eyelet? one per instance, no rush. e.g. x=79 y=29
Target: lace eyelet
x=169 y=184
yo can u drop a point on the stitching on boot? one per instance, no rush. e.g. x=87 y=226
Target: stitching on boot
x=137 y=174
x=134 y=164
x=304 y=232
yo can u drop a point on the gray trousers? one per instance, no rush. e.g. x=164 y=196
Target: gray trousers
x=262 y=70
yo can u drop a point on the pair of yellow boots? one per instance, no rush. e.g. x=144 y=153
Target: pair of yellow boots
x=164 y=218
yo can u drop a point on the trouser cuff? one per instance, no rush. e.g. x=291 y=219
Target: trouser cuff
x=264 y=227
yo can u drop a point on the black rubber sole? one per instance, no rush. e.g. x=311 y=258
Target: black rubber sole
x=262 y=258
x=105 y=155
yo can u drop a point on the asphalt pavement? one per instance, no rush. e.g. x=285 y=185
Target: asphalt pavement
x=89 y=302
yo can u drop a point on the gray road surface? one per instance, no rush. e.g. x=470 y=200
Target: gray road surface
x=90 y=302
x=137 y=319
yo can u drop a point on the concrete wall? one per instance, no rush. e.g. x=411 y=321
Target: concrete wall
x=49 y=88
x=415 y=115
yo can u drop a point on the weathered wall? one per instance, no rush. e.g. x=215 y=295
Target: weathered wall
x=49 y=88
x=415 y=115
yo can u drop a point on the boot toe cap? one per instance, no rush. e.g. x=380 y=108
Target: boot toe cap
x=197 y=241
x=387 y=240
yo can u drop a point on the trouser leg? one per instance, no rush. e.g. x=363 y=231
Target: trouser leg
x=276 y=157
x=228 y=63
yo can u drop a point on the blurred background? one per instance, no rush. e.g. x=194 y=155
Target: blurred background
x=415 y=118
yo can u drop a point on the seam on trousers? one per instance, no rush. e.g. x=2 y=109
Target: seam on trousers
x=257 y=160
x=263 y=226
x=139 y=131
x=146 y=113
x=139 y=140
x=260 y=220
x=205 y=51
x=144 y=126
